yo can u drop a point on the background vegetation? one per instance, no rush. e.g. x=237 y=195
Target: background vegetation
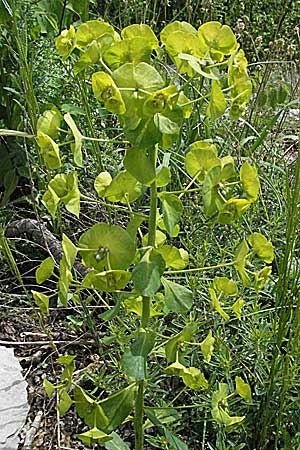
x=264 y=344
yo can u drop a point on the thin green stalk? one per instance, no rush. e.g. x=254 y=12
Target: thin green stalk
x=200 y=269
x=139 y=405
x=95 y=143
x=286 y=325
x=7 y=253
x=25 y=71
x=111 y=205
x=110 y=141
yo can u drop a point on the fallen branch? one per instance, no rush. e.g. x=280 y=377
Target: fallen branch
x=32 y=431
x=79 y=342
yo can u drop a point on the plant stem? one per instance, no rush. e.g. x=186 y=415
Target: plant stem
x=95 y=143
x=200 y=269
x=153 y=202
x=111 y=141
x=111 y=205
x=139 y=404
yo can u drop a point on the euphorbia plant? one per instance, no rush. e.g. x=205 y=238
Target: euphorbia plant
x=129 y=75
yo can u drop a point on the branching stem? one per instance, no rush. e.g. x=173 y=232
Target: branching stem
x=139 y=405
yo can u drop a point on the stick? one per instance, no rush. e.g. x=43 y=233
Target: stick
x=80 y=342
x=32 y=431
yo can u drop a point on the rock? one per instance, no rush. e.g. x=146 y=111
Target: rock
x=13 y=395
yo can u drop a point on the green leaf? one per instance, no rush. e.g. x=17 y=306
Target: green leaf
x=243 y=389
x=76 y=148
x=222 y=417
x=88 y=409
x=146 y=274
x=164 y=100
x=65 y=42
x=176 y=26
x=143 y=343
x=124 y=188
x=138 y=76
x=171 y=209
x=217 y=39
x=134 y=366
x=174 y=442
x=49 y=123
x=133 y=225
x=112 y=312
x=201 y=157
x=49 y=150
x=160 y=239
x=261 y=278
x=241 y=86
x=63 y=188
x=220 y=396
x=176 y=258
x=116 y=443
x=45 y=270
x=175 y=368
x=207 y=346
x=139 y=165
x=134 y=81
x=72 y=109
x=64 y=282
x=67 y=360
x=5 y=132
x=194 y=379
x=237 y=307
x=185 y=105
x=134 y=50
x=109 y=281
x=104 y=243
x=94 y=436
x=65 y=266
x=135 y=305
x=250 y=181
x=51 y=200
x=118 y=406
x=65 y=402
x=228 y=169
x=173 y=345
x=69 y=250
x=93 y=53
x=262 y=247
x=232 y=210
x=198 y=66
x=106 y=91
x=183 y=43
x=212 y=200
x=92 y=30
x=165 y=416
x=179 y=299
x=217 y=101
x=141 y=31
x=163 y=176
x=217 y=305
x=165 y=125
x=49 y=387
x=219 y=405
x=225 y=285
x=240 y=261
x=102 y=182
x=42 y=301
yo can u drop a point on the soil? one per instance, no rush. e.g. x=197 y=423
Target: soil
x=18 y=328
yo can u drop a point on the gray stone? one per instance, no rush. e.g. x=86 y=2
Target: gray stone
x=13 y=400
